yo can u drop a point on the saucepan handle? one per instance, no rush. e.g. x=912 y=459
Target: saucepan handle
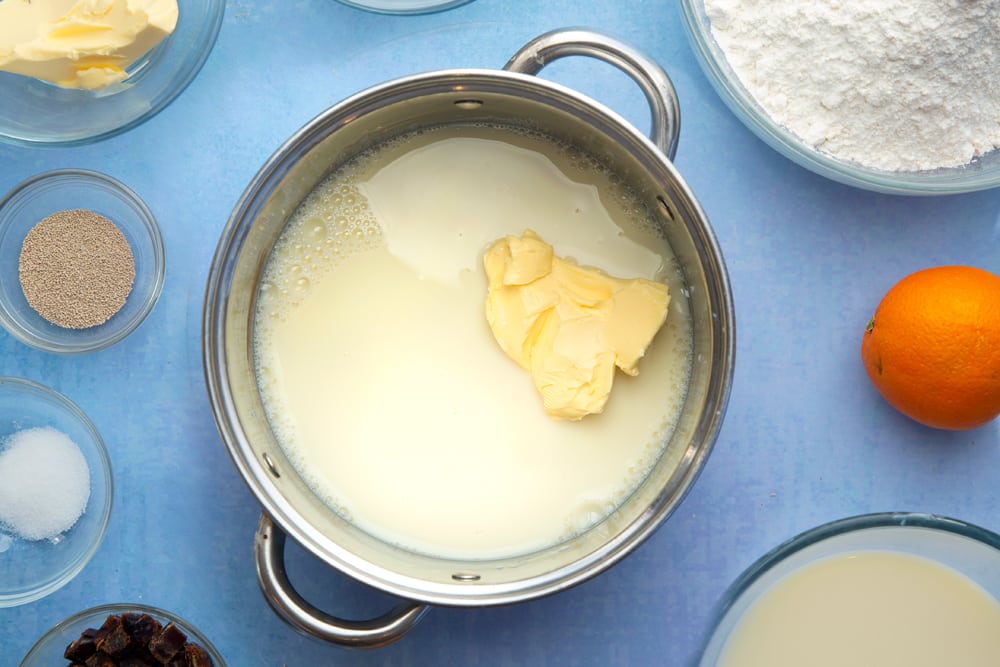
x=651 y=78
x=269 y=550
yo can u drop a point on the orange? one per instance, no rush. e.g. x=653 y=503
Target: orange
x=932 y=349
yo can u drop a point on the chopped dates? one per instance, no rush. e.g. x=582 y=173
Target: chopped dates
x=135 y=640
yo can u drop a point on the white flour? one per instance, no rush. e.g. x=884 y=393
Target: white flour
x=892 y=84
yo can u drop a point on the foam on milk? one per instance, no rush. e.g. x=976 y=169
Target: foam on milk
x=410 y=262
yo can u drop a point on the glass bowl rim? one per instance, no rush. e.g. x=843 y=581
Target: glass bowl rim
x=857 y=523
x=421 y=7
x=148 y=223
x=206 y=38
x=748 y=111
x=53 y=397
x=194 y=634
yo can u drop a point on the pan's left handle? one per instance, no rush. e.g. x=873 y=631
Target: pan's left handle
x=269 y=551
x=651 y=78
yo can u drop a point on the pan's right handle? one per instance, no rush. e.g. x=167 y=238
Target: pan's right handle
x=655 y=83
x=269 y=550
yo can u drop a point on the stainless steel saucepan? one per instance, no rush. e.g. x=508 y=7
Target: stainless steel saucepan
x=511 y=97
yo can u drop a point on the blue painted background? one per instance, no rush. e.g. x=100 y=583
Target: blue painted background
x=806 y=438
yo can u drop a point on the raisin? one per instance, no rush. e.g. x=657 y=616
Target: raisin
x=168 y=643
x=135 y=640
x=113 y=640
x=100 y=659
x=81 y=648
x=197 y=656
x=135 y=661
x=141 y=627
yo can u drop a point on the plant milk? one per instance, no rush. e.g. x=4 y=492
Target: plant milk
x=869 y=608
x=380 y=375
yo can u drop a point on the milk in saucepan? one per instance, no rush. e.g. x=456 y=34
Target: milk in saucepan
x=378 y=370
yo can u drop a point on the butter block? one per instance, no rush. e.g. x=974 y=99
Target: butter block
x=85 y=44
x=569 y=326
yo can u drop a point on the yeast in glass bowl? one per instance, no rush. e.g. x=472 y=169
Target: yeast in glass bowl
x=103 y=230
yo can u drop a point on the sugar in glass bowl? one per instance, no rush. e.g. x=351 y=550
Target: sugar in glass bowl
x=68 y=189
x=48 y=650
x=32 y=569
x=981 y=173
x=36 y=113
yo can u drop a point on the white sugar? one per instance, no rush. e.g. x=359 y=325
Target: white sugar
x=44 y=483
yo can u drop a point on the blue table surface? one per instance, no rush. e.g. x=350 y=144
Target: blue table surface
x=806 y=438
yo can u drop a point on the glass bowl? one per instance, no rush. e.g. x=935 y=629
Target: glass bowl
x=36 y=112
x=64 y=189
x=404 y=6
x=970 y=552
x=32 y=569
x=48 y=651
x=982 y=173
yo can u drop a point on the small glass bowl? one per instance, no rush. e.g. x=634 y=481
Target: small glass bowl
x=969 y=550
x=981 y=174
x=37 y=112
x=29 y=569
x=48 y=651
x=404 y=6
x=53 y=191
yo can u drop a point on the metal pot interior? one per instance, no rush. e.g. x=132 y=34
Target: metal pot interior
x=468 y=96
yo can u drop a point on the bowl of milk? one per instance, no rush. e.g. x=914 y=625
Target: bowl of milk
x=355 y=379
x=889 y=589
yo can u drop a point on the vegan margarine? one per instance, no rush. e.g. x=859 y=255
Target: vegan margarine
x=81 y=43
x=570 y=326
x=382 y=380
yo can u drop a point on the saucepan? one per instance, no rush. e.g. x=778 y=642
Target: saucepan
x=513 y=96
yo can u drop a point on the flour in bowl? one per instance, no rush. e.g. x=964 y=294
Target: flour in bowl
x=897 y=85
